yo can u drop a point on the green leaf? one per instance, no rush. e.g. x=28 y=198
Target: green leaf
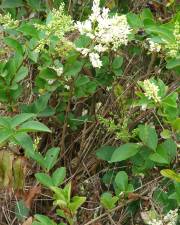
x=82 y=41
x=28 y=30
x=5 y=122
x=39 y=107
x=14 y=44
x=21 y=74
x=67 y=191
x=5 y=134
x=176 y=124
x=48 y=74
x=76 y=202
x=117 y=63
x=107 y=201
x=11 y=4
x=165 y=152
x=38 y=158
x=21 y=210
x=173 y=63
x=148 y=136
x=121 y=180
x=44 y=220
x=33 y=126
x=72 y=69
x=166 y=134
x=34 y=4
x=171 y=148
x=21 y=118
x=124 y=152
x=25 y=141
x=58 y=176
x=81 y=81
x=170 y=174
x=51 y=158
x=105 y=152
x=44 y=179
x=108 y=178
x=170 y=100
x=146 y=14
x=60 y=197
x=159 y=158
x=134 y=20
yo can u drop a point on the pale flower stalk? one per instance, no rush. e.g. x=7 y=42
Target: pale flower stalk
x=58 y=24
x=151 y=90
x=95 y=60
x=7 y=21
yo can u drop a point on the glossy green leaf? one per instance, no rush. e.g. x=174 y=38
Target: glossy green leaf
x=134 y=20
x=14 y=44
x=11 y=4
x=108 y=201
x=4 y=135
x=117 y=63
x=170 y=174
x=148 y=136
x=124 y=152
x=58 y=176
x=173 y=63
x=76 y=202
x=25 y=141
x=21 y=118
x=165 y=152
x=72 y=69
x=121 y=180
x=33 y=126
x=51 y=158
x=44 y=179
x=21 y=74
x=105 y=152
x=44 y=220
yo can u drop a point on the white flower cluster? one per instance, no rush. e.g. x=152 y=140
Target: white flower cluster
x=174 y=48
x=58 y=24
x=59 y=70
x=151 y=90
x=153 y=46
x=169 y=219
x=104 y=31
x=7 y=21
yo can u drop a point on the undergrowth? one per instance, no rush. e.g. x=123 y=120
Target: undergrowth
x=89 y=123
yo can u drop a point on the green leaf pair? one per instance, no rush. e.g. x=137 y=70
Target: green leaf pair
x=56 y=179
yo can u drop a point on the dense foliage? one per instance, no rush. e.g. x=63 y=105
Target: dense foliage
x=89 y=125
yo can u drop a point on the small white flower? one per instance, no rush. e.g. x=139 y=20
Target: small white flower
x=106 y=32
x=50 y=82
x=95 y=60
x=153 y=46
x=84 y=112
x=83 y=51
x=84 y=27
x=59 y=71
x=95 y=10
x=100 y=48
x=67 y=87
